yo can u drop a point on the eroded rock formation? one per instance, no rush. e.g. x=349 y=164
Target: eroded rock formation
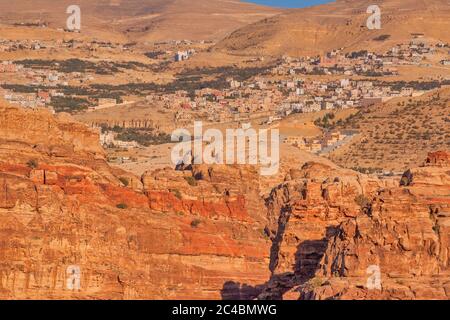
x=405 y=236
x=336 y=235
x=207 y=232
x=63 y=209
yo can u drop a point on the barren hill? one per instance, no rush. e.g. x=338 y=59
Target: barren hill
x=141 y=19
x=397 y=134
x=341 y=24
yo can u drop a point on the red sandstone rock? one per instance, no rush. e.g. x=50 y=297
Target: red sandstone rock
x=206 y=232
x=329 y=228
x=439 y=158
x=37 y=176
x=405 y=233
x=74 y=210
x=51 y=177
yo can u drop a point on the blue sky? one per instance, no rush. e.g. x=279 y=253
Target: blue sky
x=289 y=3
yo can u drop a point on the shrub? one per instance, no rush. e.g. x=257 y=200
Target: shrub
x=265 y=233
x=383 y=37
x=314 y=283
x=122 y=206
x=191 y=181
x=177 y=193
x=198 y=176
x=33 y=164
x=69 y=104
x=406 y=179
x=124 y=181
x=195 y=223
x=436 y=229
x=362 y=201
x=143 y=136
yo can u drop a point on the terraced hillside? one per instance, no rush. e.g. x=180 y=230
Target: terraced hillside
x=397 y=134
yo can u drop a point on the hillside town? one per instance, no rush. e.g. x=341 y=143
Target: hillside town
x=332 y=82
x=231 y=150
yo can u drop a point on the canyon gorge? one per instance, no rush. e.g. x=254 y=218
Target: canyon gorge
x=210 y=232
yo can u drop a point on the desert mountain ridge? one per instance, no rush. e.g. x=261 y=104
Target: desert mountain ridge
x=341 y=24
x=139 y=20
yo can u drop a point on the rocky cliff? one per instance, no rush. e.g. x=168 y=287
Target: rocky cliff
x=72 y=227
x=404 y=237
x=342 y=235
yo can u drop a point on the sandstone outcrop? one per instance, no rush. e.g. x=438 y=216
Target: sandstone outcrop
x=65 y=214
x=439 y=158
x=72 y=227
x=405 y=236
x=333 y=234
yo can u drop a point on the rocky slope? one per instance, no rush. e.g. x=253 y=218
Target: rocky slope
x=405 y=234
x=206 y=232
x=340 y=24
x=140 y=20
x=333 y=233
x=61 y=206
x=398 y=134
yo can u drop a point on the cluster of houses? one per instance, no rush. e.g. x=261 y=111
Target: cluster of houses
x=363 y=62
x=184 y=55
x=284 y=90
x=175 y=50
x=9 y=67
x=8 y=45
x=43 y=76
x=313 y=96
x=31 y=100
x=323 y=144
x=183 y=42
x=280 y=96
x=272 y=98
x=39 y=77
x=221 y=106
x=265 y=98
x=108 y=140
